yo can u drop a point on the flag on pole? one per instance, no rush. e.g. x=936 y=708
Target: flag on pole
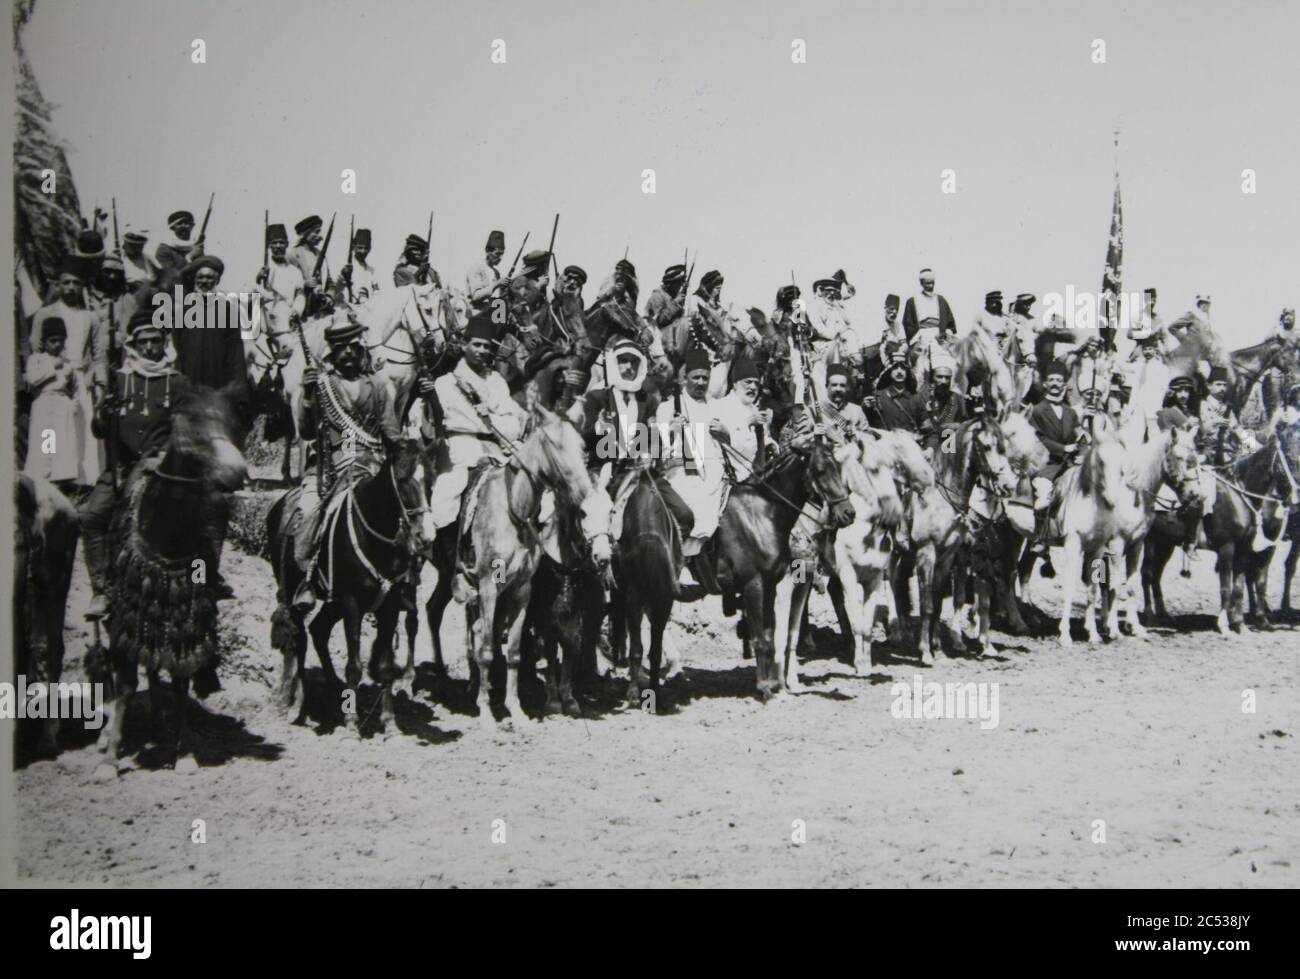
x=1112 y=279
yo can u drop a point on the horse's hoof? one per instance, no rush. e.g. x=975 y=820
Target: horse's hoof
x=794 y=685
x=405 y=684
x=572 y=708
x=105 y=772
x=1065 y=641
x=350 y=732
x=553 y=707
x=767 y=690
x=1094 y=638
x=186 y=765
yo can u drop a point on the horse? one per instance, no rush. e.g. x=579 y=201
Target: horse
x=164 y=611
x=647 y=565
x=1168 y=459
x=1289 y=438
x=1234 y=529
x=405 y=328
x=952 y=519
x=1248 y=365
x=979 y=361
x=507 y=502
x=751 y=550
x=374 y=527
x=864 y=551
x=45 y=553
x=567 y=605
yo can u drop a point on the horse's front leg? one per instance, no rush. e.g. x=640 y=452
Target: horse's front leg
x=125 y=679
x=383 y=667
x=1224 y=566
x=1073 y=565
x=352 y=669
x=787 y=615
x=1132 y=574
x=983 y=595
x=185 y=763
x=1288 y=572
x=514 y=638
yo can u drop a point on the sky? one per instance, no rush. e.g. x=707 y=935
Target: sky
x=762 y=166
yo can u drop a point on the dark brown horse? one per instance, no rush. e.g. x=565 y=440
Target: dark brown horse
x=374 y=529
x=647 y=564
x=1250 y=497
x=45 y=551
x=751 y=550
x=164 y=611
x=1249 y=364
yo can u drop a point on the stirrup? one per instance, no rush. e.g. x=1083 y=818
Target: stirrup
x=304 y=599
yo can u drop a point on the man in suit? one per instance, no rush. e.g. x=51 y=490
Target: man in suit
x=1062 y=433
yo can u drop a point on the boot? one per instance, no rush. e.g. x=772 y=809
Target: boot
x=97 y=567
x=1039 y=546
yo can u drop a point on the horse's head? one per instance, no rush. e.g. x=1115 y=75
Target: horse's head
x=978 y=353
x=1025 y=451
x=559 y=450
x=824 y=479
x=1182 y=465
x=988 y=456
x=595 y=517
x=206 y=436
x=411 y=469
x=1283 y=470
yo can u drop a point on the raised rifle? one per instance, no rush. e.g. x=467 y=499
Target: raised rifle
x=111 y=353
x=677 y=388
x=309 y=361
x=203 y=228
x=428 y=248
x=551 y=248
x=320 y=263
x=522 y=244
x=352 y=237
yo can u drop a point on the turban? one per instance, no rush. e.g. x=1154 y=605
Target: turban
x=711 y=279
x=574 y=272
x=827 y=284
x=415 y=242
x=179 y=217
x=994 y=296
x=205 y=262
x=135 y=234
x=308 y=225
x=941 y=360
x=674 y=273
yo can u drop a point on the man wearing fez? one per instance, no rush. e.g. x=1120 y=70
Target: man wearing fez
x=280 y=285
x=358 y=273
x=482 y=281
x=176 y=251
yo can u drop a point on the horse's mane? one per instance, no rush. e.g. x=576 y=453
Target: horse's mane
x=978 y=351
x=951 y=466
x=1146 y=462
x=902 y=453
x=1100 y=470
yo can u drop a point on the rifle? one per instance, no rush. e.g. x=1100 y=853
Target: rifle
x=203 y=228
x=551 y=247
x=309 y=361
x=266 y=245
x=320 y=262
x=677 y=388
x=112 y=356
x=428 y=248
x=352 y=237
x=511 y=273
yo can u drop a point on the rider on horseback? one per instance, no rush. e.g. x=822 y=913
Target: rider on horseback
x=351 y=412
x=1063 y=434
x=138 y=412
x=474 y=413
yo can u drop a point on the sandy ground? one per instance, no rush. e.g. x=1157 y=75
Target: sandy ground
x=1147 y=736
